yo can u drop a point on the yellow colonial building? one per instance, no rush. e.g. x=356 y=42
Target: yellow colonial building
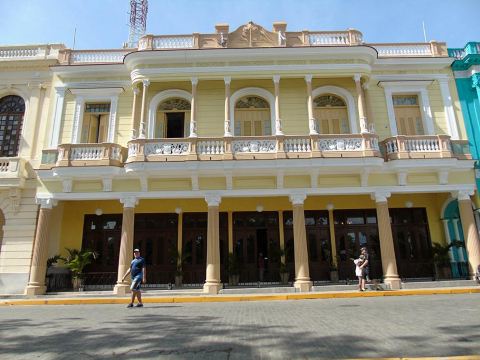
x=247 y=153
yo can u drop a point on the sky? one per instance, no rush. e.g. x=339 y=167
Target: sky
x=103 y=24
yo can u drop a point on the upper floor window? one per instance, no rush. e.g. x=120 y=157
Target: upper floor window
x=12 y=110
x=331 y=114
x=252 y=117
x=95 y=123
x=173 y=118
x=408 y=115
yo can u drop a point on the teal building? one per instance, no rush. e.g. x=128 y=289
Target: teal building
x=466 y=69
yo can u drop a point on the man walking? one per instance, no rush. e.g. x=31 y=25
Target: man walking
x=139 y=275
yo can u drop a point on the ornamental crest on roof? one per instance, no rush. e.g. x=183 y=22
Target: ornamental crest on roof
x=252 y=35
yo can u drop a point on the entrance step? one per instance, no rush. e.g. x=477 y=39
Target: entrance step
x=438 y=284
x=265 y=290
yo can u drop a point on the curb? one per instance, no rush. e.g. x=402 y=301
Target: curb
x=237 y=298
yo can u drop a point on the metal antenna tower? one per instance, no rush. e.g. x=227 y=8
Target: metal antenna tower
x=138 y=21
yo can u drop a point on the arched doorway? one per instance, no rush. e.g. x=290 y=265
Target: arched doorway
x=173 y=118
x=12 y=111
x=252 y=117
x=331 y=114
x=453 y=231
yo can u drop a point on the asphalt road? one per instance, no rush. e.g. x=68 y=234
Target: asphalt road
x=410 y=326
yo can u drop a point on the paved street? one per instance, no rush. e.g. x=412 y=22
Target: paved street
x=438 y=325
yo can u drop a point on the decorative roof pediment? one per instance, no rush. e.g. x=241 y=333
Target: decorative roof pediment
x=252 y=35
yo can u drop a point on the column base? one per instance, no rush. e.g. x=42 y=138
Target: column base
x=212 y=288
x=303 y=285
x=121 y=289
x=395 y=283
x=32 y=290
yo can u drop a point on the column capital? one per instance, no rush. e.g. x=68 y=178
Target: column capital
x=129 y=201
x=297 y=199
x=357 y=77
x=194 y=81
x=46 y=203
x=60 y=90
x=443 y=80
x=462 y=195
x=380 y=196
x=213 y=199
x=146 y=83
x=276 y=79
x=227 y=80
x=308 y=78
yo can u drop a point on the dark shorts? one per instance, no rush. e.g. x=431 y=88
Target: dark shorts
x=136 y=283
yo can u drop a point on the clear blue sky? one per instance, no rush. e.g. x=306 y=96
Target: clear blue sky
x=104 y=23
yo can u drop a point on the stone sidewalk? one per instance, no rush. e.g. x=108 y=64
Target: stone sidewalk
x=361 y=327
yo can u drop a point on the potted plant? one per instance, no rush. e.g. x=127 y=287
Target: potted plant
x=233 y=269
x=179 y=259
x=441 y=259
x=75 y=261
x=284 y=274
x=332 y=267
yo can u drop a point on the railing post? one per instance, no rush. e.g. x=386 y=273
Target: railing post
x=193 y=155
x=401 y=145
x=149 y=42
x=445 y=147
x=64 y=56
x=306 y=38
x=228 y=155
x=196 y=40
x=314 y=145
x=280 y=147
x=65 y=150
x=367 y=143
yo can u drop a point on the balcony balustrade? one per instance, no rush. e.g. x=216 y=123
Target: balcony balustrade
x=30 y=52
x=256 y=148
x=472 y=48
x=424 y=146
x=104 y=154
x=11 y=168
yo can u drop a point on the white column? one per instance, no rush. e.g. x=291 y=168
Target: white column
x=212 y=280
x=31 y=122
x=427 y=112
x=77 y=119
x=143 y=112
x=278 y=122
x=193 y=112
x=112 y=121
x=360 y=103
x=134 y=112
x=57 y=116
x=447 y=237
x=391 y=113
x=312 y=123
x=448 y=108
x=228 y=121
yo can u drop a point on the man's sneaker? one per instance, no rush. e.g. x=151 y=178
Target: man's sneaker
x=139 y=305
x=130 y=305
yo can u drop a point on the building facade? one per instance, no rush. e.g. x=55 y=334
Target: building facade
x=287 y=150
x=465 y=67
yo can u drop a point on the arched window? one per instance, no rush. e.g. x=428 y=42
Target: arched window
x=173 y=117
x=12 y=109
x=252 y=117
x=331 y=114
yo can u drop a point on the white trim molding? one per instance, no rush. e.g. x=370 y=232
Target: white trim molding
x=99 y=94
x=256 y=91
x=155 y=102
x=57 y=116
x=416 y=87
x=345 y=95
x=448 y=109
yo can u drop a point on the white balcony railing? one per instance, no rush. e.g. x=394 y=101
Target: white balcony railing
x=386 y=50
x=30 y=52
x=420 y=146
x=173 y=42
x=97 y=57
x=254 y=145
